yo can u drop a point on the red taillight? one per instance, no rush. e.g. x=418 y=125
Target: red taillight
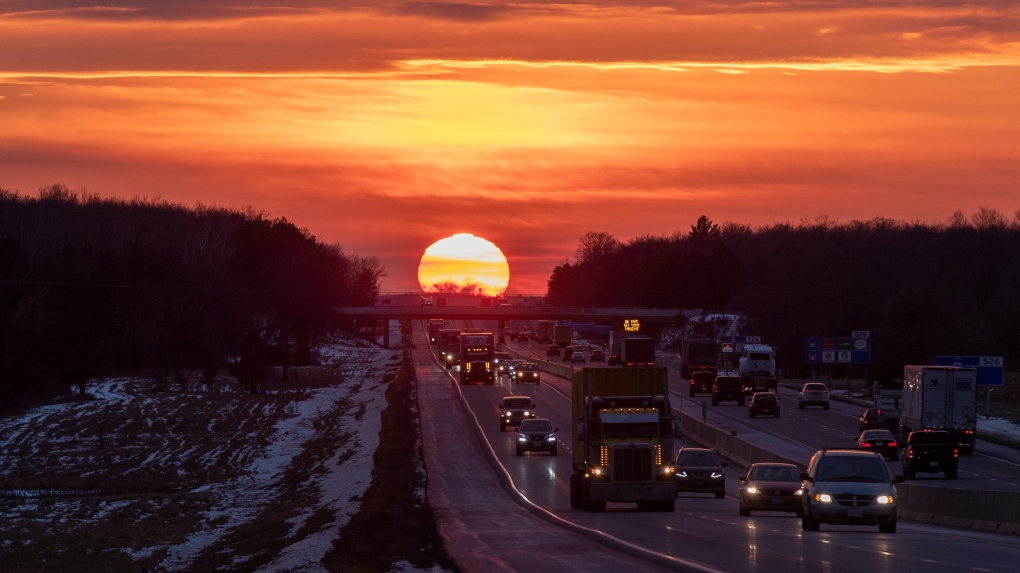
x=969 y=431
x=865 y=444
x=892 y=444
x=910 y=454
x=956 y=454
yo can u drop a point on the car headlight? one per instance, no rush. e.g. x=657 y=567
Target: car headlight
x=799 y=492
x=527 y=413
x=884 y=499
x=522 y=438
x=717 y=475
x=752 y=489
x=550 y=438
x=823 y=498
x=682 y=474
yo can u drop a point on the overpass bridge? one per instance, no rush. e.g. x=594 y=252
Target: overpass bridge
x=501 y=314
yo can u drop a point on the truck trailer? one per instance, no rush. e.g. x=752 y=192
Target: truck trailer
x=698 y=355
x=940 y=398
x=637 y=351
x=544 y=331
x=562 y=334
x=622 y=439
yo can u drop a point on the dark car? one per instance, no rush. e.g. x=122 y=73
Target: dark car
x=771 y=487
x=552 y=351
x=700 y=470
x=537 y=435
x=598 y=355
x=881 y=441
x=763 y=404
x=500 y=362
x=514 y=410
x=527 y=373
x=868 y=420
x=701 y=382
x=728 y=387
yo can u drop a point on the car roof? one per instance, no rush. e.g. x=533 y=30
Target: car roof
x=516 y=397
x=844 y=452
x=771 y=465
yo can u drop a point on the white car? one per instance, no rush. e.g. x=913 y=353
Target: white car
x=577 y=356
x=813 y=394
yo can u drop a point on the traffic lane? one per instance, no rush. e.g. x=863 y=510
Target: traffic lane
x=483 y=529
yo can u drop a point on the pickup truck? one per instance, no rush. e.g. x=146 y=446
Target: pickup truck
x=930 y=452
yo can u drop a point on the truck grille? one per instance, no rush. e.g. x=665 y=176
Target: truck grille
x=632 y=464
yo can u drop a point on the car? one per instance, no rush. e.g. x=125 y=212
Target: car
x=552 y=351
x=726 y=387
x=813 y=394
x=848 y=487
x=701 y=382
x=881 y=441
x=527 y=373
x=598 y=355
x=771 y=487
x=511 y=366
x=577 y=356
x=700 y=470
x=536 y=435
x=868 y=420
x=500 y=361
x=763 y=403
x=515 y=409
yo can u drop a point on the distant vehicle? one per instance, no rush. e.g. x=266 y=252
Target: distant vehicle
x=869 y=420
x=428 y=301
x=888 y=397
x=449 y=346
x=527 y=373
x=928 y=451
x=502 y=301
x=637 y=351
x=940 y=398
x=435 y=325
x=515 y=409
x=598 y=355
x=701 y=382
x=698 y=355
x=771 y=487
x=758 y=365
x=512 y=366
x=763 y=403
x=523 y=336
x=500 y=361
x=728 y=387
x=813 y=394
x=577 y=356
x=536 y=435
x=552 y=351
x=561 y=335
x=700 y=470
x=441 y=301
x=544 y=334
x=881 y=441
x=477 y=353
x=834 y=477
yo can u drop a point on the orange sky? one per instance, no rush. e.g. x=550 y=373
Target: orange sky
x=388 y=126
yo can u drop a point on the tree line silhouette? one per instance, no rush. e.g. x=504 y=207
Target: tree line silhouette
x=922 y=290
x=91 y=287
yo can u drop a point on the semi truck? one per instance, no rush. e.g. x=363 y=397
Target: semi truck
x=698 y=355
x=940 y=398
x=544 y=331
x=434 y=325
x=615 y=337
x=622 y=438
x=477 y=350
x=562 y=335
x=449 y=346
x=757 y=367
x=637 y=351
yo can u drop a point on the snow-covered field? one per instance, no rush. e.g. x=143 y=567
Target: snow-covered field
x=169 y=480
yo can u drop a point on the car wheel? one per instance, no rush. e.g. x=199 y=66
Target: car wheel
x=553 y=451
x=895 y=457
x=741 y=402
x=692 y=393
x=715 y=402
x=777 y=414
x=909 y=474
x=826 y=406
x=668 y=506
x=887 y=527
x=744 y=511
x=720 y=494
x=800 y=405
x=520 y=452
x=575 y=491
x=807 y=523
x=502 y=427
x=951 y=474
x=598 y=506
x=750 y=414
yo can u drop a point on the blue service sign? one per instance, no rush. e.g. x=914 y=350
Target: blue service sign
x=837 y=357
x=989 y=368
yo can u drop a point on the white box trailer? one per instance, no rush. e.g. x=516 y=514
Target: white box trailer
x=940 y=398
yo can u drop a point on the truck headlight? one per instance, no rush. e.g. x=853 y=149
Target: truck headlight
x=823 y=498
x=884 y=499
x=596 y=472
x=667 y=469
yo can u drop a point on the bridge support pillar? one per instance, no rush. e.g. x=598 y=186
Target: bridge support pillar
x=386 y=333
x=501 y=335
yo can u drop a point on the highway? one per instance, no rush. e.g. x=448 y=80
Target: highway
x=709 y=533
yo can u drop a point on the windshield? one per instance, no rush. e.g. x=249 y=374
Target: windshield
x=774 y=474
x=517 y=403
x=537 y=426
x=527 y=367
x=642 y=430
x=878 y=435
x=764 y=398
x=852 y=469
x=815 y=387
x=700 y=458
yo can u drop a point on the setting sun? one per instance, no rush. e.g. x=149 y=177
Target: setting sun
x=464 y=263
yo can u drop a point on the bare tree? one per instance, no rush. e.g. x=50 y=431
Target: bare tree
x=988 y=218
x=595 y=245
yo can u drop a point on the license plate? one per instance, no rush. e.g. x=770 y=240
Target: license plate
x=777 y=501
x=854 y=512
x=699 y=484
x=933 y=464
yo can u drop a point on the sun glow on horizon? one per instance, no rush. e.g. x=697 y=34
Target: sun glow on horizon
x=464 y=263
